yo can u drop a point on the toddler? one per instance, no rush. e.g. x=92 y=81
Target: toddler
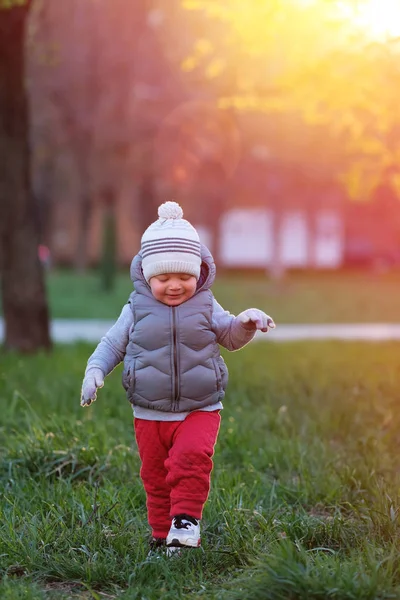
x=168 y=336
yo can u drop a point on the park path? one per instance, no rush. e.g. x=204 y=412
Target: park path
x=91 y=330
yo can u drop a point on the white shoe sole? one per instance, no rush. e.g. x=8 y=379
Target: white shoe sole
x=188 y=543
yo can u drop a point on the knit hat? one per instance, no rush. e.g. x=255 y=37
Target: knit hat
x=170 y=244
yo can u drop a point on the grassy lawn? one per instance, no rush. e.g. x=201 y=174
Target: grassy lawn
x=305 y=495
x=352 y=296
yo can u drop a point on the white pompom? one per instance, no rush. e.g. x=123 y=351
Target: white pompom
x=170 y=210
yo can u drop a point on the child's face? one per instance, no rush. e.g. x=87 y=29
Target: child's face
x=173 y=288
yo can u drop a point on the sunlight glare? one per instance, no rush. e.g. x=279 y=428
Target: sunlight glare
x=380 y=19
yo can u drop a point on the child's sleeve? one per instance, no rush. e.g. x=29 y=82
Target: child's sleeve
x=112 y=347
x=229 y=330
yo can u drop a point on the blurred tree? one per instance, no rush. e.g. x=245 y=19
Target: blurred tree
x=108 y=263
x=42 y=188
x=209 y=197
x=81 y=140
x=77 y=102
x=98 y=97
x=22 y=281
x=335 y=72
x=319 y=61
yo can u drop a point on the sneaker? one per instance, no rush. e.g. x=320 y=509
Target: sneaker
x=185 y=531
x=156 y=543
x=159 y=549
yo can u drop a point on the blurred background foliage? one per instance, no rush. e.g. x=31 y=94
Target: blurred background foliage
x=183 y=99
x=274 y=125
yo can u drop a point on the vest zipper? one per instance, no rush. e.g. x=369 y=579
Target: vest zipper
x=175 y=399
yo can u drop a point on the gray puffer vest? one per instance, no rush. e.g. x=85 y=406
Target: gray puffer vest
x=172 y=361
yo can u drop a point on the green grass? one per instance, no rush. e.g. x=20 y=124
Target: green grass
x=305 y=490
x=337 y=297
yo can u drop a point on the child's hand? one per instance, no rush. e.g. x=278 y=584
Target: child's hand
x=253 y=318
x=94 y=379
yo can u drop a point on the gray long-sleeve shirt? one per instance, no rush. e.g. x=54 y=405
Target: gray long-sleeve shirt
x=228 y=329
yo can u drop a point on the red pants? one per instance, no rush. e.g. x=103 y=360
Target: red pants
x=176 y=466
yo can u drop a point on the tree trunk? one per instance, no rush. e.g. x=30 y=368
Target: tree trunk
x=277 y=268
x=108 y=263
x=22 y=280
x=147 y=196
x=85 y=214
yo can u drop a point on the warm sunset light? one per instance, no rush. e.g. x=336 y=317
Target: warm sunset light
x=380 y=19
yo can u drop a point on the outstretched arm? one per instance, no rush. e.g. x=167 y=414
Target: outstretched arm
x=108 y=354
x=235 y=332
x=111 y=349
